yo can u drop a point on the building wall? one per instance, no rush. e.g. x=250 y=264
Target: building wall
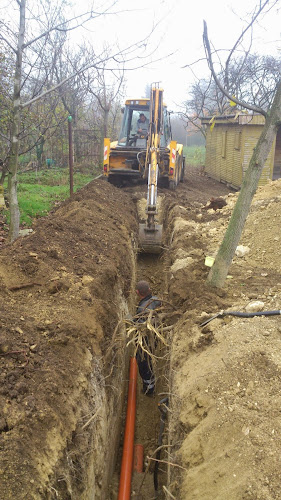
x=277 y=157
x=223 y=154
x=229 y=147
x=231 y=165
x=251 y=136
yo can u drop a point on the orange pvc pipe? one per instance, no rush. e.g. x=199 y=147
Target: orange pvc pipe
x=128 y=446
x=138 y=458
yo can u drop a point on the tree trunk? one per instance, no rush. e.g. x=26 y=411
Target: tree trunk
x=218 y=272
x=76 y=138
x=39 y=152
x=13 y=160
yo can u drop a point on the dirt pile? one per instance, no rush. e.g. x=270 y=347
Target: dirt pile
x=225 y=425
x=63 y=289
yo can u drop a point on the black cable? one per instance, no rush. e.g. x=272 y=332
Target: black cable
x=241 y=315
x=251 y=315
x=162 y=405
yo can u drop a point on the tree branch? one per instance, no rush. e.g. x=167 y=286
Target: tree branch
x=59 y=27
x=240 y=38
x=5 y=137
x=206 y=42
x=8 y=43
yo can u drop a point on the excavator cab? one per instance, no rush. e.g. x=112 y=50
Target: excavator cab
x=126 y=158
x=135 y=127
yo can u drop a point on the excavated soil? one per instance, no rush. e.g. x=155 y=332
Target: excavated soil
x=59 y=288
x=65 y=291
x=225 y=425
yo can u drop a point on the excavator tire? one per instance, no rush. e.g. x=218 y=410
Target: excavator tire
x=182 y=169
x=174 y=182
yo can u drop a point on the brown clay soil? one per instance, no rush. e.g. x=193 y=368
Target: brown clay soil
x=225 y=426
x=58 y=291
x=63 y=291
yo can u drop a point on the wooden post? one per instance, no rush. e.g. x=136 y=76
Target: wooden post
x=70 y=155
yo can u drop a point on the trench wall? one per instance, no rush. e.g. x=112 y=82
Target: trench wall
x=65 y=290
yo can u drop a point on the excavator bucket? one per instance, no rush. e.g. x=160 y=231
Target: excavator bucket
x=150 y=238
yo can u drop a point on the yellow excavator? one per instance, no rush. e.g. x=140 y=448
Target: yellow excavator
x=145 y=150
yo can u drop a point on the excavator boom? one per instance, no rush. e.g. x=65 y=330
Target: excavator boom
x=150 y=233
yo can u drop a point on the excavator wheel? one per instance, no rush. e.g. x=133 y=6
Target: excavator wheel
x=182 y=169
x=174 y=182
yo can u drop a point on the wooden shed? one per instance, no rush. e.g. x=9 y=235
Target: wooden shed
x=230 y=142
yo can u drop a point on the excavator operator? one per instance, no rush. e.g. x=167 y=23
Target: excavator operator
x=142 y=125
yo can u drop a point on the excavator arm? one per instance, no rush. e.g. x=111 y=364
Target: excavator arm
x=150 y=233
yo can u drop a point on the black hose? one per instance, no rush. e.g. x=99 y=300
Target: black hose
x=241 y=315
x=162 y=405
x=251 y=315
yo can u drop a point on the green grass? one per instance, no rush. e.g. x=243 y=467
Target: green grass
x=36 y=201
x=55 y=177
x=194 y=155
x=39 y=193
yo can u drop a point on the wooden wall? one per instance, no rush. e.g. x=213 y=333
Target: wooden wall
x=229 y=147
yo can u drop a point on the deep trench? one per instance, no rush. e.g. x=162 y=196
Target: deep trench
x=156 y=270
x=148 y=485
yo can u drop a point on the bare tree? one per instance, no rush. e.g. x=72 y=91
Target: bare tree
x=38 y=121
x=6 y=89
x=205 y=100
x=41 y=28
x=14 y=153
x=272 y=116
x=252 y=81
x=53 y=23
x=106 y=88
x=73 y=93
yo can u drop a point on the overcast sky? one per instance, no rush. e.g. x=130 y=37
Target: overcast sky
x=179 y=31
x=178 y=27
